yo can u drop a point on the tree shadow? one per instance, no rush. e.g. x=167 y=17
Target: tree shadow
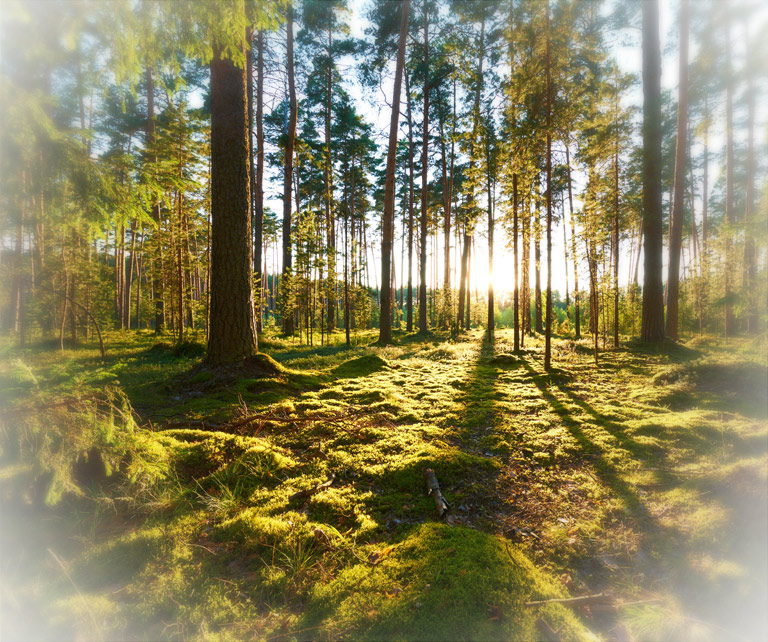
x=599 y=457
x=667 y=553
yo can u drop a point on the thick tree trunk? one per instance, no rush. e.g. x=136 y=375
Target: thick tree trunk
x=653 y=291
x=232 y=331
x=388 y=222
x=676 y=225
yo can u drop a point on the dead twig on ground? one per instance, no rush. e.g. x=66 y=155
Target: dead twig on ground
x=315 y=489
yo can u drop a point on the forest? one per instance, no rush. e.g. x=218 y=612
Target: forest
x=384 y=319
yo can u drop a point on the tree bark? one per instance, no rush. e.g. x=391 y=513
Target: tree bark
x=330 y=216
x=423 y=327
x=676 y=225
x=388 y=222
x=653 y=292
x=411 y=197
x=232 y=331
x=463 y=278
x=156 y=265
x=537 y=266
x=515 y=252
x=548 y=323
x=576 y=295
x=258 y=182
x=730 y=217
x=750 y=267
x=288 y=168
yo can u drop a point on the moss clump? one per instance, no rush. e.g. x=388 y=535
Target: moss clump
x=360 y=367
x=440 y=583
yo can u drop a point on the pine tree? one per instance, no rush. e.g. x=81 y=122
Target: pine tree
x=653 y=295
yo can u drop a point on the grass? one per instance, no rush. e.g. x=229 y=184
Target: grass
x=644 y=477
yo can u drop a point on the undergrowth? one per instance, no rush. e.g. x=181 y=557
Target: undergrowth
x=151 y=498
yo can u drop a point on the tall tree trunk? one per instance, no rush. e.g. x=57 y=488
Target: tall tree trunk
x=258 y=182
x=180 y=266
x=576 y=295
x=468 y=307
x=330 y=216
x=463 y=278
x=537 y=265
x=615 y=224
x=156 y=264
x=411 y=196
x=526 y=281
x=388 y=222
x=516 y=301
x=288 y=169
x=653 y=291
x=139 y=270
x=491 y=303
x=730 y=216
x=447 y=196
x=129 y=278
x=423 y=327
x=615 y=245
x=232 y=330
x=249 y=93
x=750 y=267
x=566 y=255
x=548 y=324
x=676 y=225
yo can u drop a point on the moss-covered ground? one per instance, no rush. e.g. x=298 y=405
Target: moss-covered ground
x=147 y=497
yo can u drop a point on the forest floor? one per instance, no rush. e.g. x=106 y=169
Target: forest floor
x=145 y=496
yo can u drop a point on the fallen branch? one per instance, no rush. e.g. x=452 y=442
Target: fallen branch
x=433 y=488
x=311 y=491
x=574 y=601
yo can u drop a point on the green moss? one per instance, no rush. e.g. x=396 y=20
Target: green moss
x=439 y=583
x=360 y=367
x=195 y=535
